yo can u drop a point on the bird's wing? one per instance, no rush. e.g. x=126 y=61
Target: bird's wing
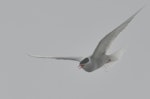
x=60 y=58
x=104 y=44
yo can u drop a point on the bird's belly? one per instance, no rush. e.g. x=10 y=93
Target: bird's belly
x=90 y=68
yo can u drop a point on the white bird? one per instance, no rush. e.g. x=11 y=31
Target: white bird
x=99 y=57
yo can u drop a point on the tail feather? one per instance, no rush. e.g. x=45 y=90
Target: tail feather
x=116 y=55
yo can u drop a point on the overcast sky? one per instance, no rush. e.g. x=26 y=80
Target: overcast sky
x=72 y=28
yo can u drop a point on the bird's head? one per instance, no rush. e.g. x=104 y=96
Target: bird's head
x=84 y=62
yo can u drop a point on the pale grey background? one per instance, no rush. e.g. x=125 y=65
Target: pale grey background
x=72 y=28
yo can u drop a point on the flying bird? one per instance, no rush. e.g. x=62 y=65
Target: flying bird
x=99 y=57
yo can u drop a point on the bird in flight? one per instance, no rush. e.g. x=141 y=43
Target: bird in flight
x=99 y=57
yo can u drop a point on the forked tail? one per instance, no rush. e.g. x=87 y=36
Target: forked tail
x=116 y=55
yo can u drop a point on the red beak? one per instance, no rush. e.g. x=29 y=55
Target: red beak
x=81 y=65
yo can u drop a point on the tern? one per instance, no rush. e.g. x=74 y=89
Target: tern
x=99 y=57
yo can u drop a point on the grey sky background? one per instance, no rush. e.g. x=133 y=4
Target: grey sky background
x=72 y=28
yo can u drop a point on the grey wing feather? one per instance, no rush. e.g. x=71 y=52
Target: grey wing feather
x=107 y=40
x=60 y=58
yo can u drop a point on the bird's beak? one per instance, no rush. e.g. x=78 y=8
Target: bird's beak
x=81 y=66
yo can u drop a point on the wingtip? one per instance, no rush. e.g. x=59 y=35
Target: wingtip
x=39 y=56
x=30 y=55
x=139 y=10
x=131 y=17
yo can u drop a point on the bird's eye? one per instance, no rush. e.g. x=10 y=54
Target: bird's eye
x=86 y=60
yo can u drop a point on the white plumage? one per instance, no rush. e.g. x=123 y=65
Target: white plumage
x=99 y=57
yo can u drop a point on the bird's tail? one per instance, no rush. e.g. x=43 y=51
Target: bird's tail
x=113 y=58
x=116 y=55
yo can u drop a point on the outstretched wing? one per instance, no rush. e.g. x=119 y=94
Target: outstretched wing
x=60 y=58
x=107 y=40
